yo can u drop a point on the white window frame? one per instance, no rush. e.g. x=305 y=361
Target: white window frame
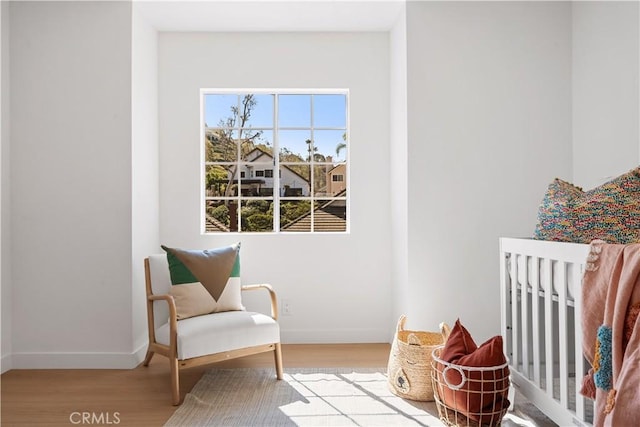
x=276 y=199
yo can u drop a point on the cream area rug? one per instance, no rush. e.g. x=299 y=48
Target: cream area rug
x=305 y=397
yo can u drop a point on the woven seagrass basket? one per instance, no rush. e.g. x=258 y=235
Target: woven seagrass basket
x=409 y=368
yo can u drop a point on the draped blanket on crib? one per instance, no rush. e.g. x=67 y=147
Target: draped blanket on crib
x=611 y=332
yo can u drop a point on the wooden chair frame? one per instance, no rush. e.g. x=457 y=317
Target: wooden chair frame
x=171 y=351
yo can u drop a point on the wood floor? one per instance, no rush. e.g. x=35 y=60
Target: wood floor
x=141 y=396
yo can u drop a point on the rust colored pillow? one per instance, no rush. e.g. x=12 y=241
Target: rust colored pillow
x=458 y=344
x=482 y=395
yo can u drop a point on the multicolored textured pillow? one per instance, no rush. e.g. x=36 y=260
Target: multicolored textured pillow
x=610 y=212
x=205 y=281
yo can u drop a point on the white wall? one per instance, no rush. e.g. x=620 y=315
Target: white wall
x=489 y=125
x=461 y=116
x=398 y=162
x=606 y=117
x=5 y=229
x=71 y=184
x=145 y=196
x=349 y=298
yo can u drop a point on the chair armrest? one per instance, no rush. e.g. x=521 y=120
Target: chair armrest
x=272 y=294
x=173 y=316
x=169 y=299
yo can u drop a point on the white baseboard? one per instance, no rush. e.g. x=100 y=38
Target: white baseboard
x=333 y=336
x=5 y=363
x=77 y=360
x=131 y=360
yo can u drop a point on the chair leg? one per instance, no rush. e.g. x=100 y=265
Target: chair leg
x=148 y=358
x=175 y=381
x=278 y=357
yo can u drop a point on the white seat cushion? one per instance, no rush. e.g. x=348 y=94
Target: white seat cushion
x=218 y=332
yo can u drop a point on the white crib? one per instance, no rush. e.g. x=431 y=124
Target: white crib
x=540 y=297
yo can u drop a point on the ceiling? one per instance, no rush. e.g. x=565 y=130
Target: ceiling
x=270 y=15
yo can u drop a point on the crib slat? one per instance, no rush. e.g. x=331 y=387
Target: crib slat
x=580 y=365
x=515 y=342
x=503 y=297
x=524 y=315
x=505 y=282
x=563 y=326
x=544 y=320
x=548 y=326
x=535 y=318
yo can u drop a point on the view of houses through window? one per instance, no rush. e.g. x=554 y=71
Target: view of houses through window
x=275 y=161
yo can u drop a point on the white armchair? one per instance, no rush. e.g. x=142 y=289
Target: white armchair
x=208 y=338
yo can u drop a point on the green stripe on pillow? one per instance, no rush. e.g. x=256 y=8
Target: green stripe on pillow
x=236 y=267
x=179 y=273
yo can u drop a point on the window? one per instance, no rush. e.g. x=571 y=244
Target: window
x=302 y=135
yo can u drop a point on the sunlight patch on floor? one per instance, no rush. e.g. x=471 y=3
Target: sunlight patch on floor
x=512 y=420
x=356 y=399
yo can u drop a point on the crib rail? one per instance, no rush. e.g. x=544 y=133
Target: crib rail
x=541 y=323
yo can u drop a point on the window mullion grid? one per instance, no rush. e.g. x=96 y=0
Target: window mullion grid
x=277 y=179
x=238 y=165
x=276 y=165
x=312 y=171
x=203 y=163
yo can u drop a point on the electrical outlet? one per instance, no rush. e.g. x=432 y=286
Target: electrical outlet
x=286 y=307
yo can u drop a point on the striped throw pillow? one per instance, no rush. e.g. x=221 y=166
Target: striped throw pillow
x=205 y=281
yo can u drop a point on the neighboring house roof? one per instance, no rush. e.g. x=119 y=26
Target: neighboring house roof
x=336 y=167
x=264 y=153
x=261 y=151
x=329 y=217
x=326 y=218
x=213 y=224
